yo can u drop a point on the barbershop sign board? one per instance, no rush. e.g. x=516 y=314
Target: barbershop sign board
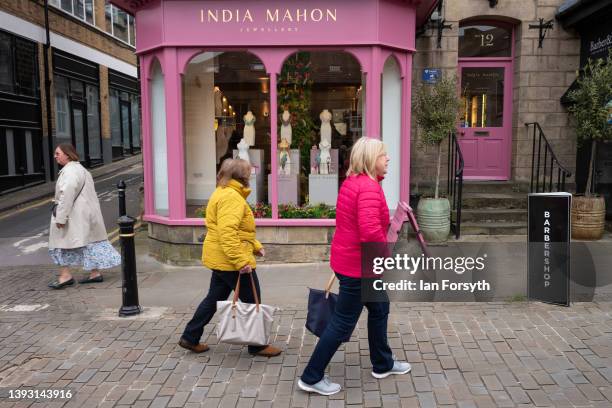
x=289 y=22
x=548 y=251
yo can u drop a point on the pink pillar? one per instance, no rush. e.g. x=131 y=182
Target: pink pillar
x=406 y=123
x=373 y=95
x=174 y=135
x=147 y=144
x=273 y=141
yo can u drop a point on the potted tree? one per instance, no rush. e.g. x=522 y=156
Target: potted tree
x=590 y=112
x=436 y=108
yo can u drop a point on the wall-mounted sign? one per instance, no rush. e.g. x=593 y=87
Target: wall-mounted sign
x=431 y=75
x=548 y=250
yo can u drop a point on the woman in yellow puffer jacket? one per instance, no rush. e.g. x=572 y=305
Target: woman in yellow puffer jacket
x=229 y=251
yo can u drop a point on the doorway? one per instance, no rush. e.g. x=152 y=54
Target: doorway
x=485 y=81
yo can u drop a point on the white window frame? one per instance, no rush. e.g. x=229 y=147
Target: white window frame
x=112 y=25
x=57 y=4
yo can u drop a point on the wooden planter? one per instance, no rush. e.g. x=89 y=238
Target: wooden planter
x=588 y=217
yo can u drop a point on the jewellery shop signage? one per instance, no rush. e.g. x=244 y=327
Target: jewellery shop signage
x=548 y=248
x=274 y=22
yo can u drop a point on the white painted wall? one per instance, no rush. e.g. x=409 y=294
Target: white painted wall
x=159 y=143
x=199 y=119
x=392 y=128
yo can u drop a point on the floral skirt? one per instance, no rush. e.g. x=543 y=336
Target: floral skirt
x=97 y=255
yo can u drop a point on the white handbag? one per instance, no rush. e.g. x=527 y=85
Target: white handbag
x=244 y=323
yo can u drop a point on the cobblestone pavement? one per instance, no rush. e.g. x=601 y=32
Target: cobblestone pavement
x=464 y=355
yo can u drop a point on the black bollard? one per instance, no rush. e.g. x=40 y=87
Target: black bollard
x=128 y=268
x=121 y=188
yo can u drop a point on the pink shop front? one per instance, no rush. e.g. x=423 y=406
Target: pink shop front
x=290 y=85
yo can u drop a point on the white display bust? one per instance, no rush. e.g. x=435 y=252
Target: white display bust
x=249 y=128
x=325 y=157
x=243 y=150
x=326 y=130
x=285 y=131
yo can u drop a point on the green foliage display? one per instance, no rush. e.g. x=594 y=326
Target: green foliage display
x=435 y=109
x=295 y=95
x=589 y=108
x=261 y=210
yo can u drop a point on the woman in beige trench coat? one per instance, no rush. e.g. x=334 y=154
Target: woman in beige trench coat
x=77 y=235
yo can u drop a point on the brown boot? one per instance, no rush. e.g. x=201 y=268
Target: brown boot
x=196 y=348
x=269 y=351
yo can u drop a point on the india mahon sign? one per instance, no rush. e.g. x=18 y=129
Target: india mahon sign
x=548 y=251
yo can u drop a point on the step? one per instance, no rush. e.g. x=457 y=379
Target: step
x=494 y=200
x=492 y=215
x=506 y=187
x=493 y=228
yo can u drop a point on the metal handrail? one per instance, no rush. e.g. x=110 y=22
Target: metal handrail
x=544 y=182
x=455 y=182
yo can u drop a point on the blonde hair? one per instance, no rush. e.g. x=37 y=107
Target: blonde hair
x=237 y=169
x=364 y=154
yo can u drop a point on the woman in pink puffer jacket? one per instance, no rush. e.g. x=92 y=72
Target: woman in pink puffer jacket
x=362 y=216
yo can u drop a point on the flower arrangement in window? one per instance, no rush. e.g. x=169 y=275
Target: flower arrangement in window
x=262 y=210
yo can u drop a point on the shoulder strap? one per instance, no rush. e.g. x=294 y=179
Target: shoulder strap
x=82 y=187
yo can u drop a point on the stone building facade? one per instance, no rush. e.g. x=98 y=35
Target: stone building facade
x=94 y=86
x=540 y=76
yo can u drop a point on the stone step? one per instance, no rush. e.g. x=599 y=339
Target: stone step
x=492 y=215
x=493 y=228
x=494 y=200
x=506 y=187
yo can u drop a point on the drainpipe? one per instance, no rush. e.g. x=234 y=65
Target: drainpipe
x=47 y=47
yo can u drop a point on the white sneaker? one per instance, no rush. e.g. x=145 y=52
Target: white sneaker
x=399 y=367
x=323 y=387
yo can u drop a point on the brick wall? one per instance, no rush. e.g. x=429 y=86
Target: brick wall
x=541 y=76
x=71 y=27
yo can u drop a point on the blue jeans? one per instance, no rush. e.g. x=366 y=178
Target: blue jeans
x=343 y=322
x=222 y=283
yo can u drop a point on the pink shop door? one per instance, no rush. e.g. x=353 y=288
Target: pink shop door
x=485 y=127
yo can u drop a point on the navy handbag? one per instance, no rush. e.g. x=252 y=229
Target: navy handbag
x=321 y=305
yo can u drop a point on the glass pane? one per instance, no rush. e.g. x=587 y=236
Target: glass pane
x=25 y=67
x=159 y=146
x=6 y=63
x=135 y=121
x=79 y=9
x=120 y=29
x=482 y=97
x=115 y=119
x=132 y=31
x=226 y=100
x=89 y=11
x=79 y=132
x=484 y=41
x=93 y=123
x=125 y=125
x=11 y=153
x=319 y=101
x=67 y=5
x=108 y=12
x=62 y=110
x=76 y=89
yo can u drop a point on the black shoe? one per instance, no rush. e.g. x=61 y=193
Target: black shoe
x=56 y=284
x=97 y=279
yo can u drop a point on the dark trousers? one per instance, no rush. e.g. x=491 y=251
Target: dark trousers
x=343 y=322
x=222 y=283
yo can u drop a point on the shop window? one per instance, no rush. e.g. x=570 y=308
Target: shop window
x=63 y=122
x=481 y=40
x=392 y=128
x=93 y=122
x=226 y=114
x=120 y=24
x=320 y=108
x=125 y=122
x=21 y=162
x=6 y=63
x=158 y=145
x=135 y=118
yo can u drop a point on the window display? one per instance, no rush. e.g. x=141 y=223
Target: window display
x=320 y=111
x=226 y=110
